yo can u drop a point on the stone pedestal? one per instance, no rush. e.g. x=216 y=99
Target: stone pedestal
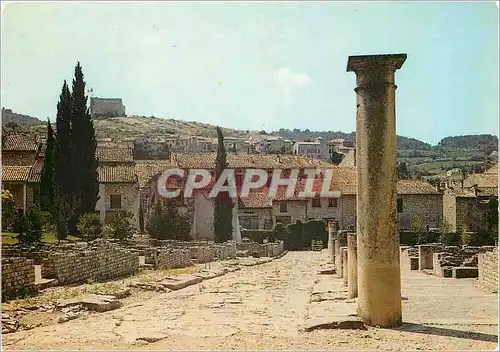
x=338 y=258
x=345 y=276
x=379 y=278
x=331 y=245
x=352 y=266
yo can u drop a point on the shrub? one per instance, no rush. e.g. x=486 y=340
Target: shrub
x=89 y=226
x=450 y=238
x=295 y=235
x=107 y=231
x=47 y=221
x=30 y=228
x=121 y=225
x=315 y=229
x=9 y=210
x=165 y=222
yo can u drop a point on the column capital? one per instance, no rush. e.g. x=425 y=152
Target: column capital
x=368 y=63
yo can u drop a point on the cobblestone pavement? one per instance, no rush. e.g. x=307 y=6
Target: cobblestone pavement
x=265 y=306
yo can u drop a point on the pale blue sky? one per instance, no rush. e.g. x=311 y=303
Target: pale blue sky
x=258 y=65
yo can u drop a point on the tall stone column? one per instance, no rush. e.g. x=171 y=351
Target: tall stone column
x=379 y=278
x=352 y=266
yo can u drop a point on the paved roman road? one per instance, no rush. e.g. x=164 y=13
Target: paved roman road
x=264 y=307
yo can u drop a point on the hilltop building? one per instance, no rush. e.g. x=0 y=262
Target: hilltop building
x=106 y=107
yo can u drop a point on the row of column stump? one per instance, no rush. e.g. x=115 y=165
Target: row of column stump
x=343 y=253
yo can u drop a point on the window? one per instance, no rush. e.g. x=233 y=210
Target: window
x=399 y=205
x=116 y=201
x=283 y=208
x=333 y=202
x=316 y=203
x=285 y=220
x=254 y=222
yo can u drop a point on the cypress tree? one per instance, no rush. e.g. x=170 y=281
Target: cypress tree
x=84 y=145
x=223 y=209
x=47 y=179
x=63 y=185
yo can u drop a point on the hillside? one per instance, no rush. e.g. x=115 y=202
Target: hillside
x=420 y=157
x=9 y=116
x=403 y=143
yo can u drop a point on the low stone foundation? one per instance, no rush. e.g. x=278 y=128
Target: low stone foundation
x=18 y=277
x=272 y=249
x=453 y=257
x=167 y=258
x=488 y=271
x=102 y=261
x=409 y=258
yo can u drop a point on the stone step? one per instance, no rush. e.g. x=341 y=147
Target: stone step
x=180 y=282
x=42 y=283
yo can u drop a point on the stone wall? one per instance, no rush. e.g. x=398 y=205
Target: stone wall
x=428 y=207
x=18 y=277
x=471 y=214
x=448 y=257
x=101 y=261
x=167 y=258
x=488 y=271
x=203 y=254
x=409 y=256
x=295 y=209
x=264 y=250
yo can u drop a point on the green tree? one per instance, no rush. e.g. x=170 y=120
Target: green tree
x=402 y=171
x=120 y=225
x=336 y=158
x=89 y=226
x=83 y=148
x=47 y=201
x=63 y=168
x=9 y=210
x=492 y=216
x=223 y=209
x=30 y=228
x=165 y=222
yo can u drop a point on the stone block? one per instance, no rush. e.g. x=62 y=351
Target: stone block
x=413 y=263
x=464 y=272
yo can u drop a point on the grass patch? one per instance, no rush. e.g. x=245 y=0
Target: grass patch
x=9 y=238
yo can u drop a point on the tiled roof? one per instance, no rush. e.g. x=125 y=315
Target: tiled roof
x=20 y=142
x=344 y=180
x=415 y=187
x=487 y=192
x=117 y=174
x=245 y=160
x=256 y=200
x=349 y=159
x=492 y=170
x=15 y=173
x=148 y=169
x=489 y=179
x=114 y=155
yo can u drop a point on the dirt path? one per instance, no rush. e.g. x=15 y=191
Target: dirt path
x=263 y=307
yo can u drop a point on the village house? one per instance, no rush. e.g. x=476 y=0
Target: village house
x=316 y=150
x=265 y=144
x=22 y=158
x=465 y=208
x=253 y=211
x=22 y=163
x=415 y=199
x=118 y=184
